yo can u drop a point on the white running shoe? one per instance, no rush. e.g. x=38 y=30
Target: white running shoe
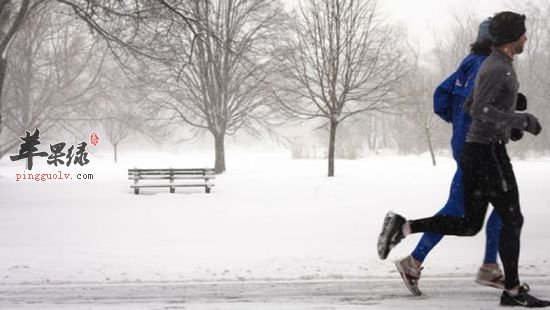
x=492 y=277
x=410 y=274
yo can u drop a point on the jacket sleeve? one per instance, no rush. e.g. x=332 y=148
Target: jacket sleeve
x=442 y=98
x=483 y=106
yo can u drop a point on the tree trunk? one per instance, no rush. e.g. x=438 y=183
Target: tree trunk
x=3 y=65
x=27 y=86
x=371 y=134
x=331 y=147
x=430 y=146
x=7 y=33
x=219 y=164
x=115 y=147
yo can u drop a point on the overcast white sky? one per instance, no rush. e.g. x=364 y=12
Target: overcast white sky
x=423 y=17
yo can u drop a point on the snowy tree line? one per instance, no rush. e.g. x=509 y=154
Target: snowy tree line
x=215 y=69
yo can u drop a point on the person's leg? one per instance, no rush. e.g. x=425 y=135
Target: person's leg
x=490 y=273
x=492 y=230
x=480 y=165
x=488 y=176
x=454 y=207
x=475 y=158
x=506 y=203
x=477 y=163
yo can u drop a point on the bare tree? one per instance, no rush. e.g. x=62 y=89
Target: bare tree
x=121 y=111
x=119 y=23
x=11 y=18
x=52 y=77
x=422 y=110
x=419 y=103
x=117 y=125
x=341 y=61
x=533 y=70
x=216 y=82
x=450 y=48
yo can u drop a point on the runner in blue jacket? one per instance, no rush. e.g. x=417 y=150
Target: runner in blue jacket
x=488 y=176
x=449 y=98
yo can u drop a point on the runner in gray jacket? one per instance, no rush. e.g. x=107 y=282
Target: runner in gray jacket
x=488 y=174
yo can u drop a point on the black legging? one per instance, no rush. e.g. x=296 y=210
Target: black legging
x=488 y=178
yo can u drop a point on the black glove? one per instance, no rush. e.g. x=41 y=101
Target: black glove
x=516 y=134
x=533 y=126
x=521 y=102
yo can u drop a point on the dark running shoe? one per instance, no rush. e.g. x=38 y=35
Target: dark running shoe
x=391 y=234
x=523 y=299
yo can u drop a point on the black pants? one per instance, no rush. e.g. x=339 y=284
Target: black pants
x=488 y=178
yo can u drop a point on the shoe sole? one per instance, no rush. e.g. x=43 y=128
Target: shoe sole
x=489 y=284
x=384 y=247
x=415 y=292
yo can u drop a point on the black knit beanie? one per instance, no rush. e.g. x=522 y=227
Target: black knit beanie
x=507 y=27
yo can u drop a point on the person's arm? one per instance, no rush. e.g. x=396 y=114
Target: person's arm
x=484 y=107
x=442 y=98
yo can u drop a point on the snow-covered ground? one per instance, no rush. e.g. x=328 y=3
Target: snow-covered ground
x=269 y=220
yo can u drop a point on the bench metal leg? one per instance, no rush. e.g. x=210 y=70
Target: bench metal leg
x=207 y=189
x=172 y=190
x=136 y=180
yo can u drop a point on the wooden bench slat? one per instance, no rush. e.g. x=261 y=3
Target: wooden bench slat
x=169 y=173
x=171 y=169
x=168 y=170
x=152 y=177
x=175 y=171
x=173 y=185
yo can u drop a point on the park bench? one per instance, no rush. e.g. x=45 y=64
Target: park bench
x=190 y=177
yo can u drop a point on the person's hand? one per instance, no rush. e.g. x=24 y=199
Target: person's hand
x=521 y=102
x=533 y=126
x=516 y=134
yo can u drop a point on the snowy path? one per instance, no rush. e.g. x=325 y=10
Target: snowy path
x=451 y=293
x=310 y=239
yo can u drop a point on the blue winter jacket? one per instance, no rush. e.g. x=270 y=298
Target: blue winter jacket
x=449 y=98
